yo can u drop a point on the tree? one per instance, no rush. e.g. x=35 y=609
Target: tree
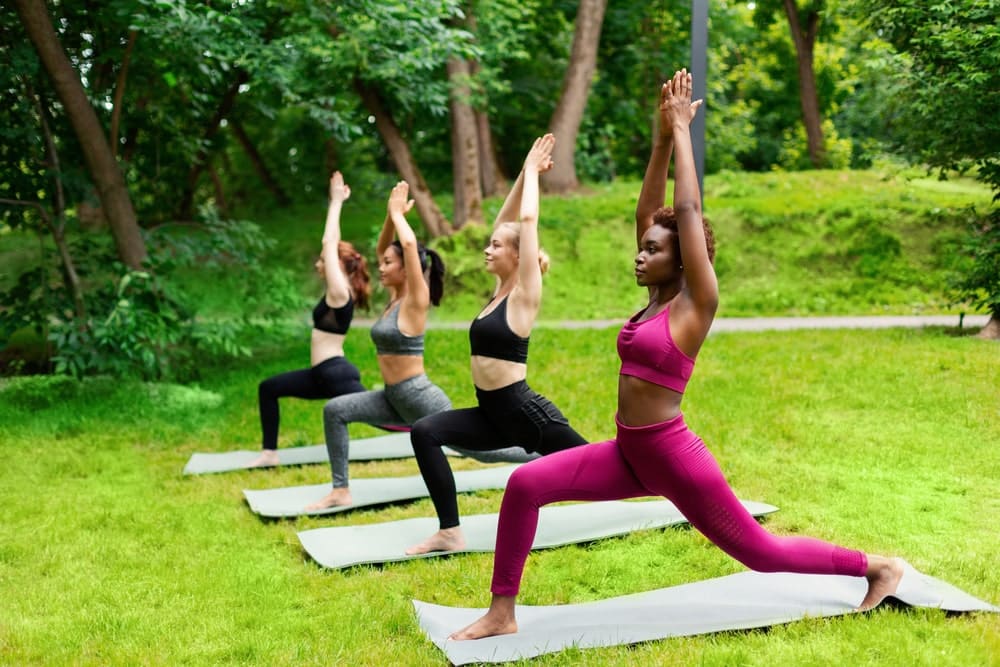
x=103 y=167
x=804 y=23
x=465 y=148
x=944 y=109
x=565 y=123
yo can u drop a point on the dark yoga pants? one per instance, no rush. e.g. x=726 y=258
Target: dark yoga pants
x=514 y=415
x=333 y=377
x=664 y=459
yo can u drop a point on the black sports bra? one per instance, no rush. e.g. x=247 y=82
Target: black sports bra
x=490 y=336
x=333 y=320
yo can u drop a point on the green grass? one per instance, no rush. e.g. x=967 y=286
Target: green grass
x=880 y=440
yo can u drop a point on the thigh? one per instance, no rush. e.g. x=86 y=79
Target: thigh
x=596 y=471
x=538 y=425
x=417 y=398
x=296 y=384
x=370 y=407
x=337 y=378
x=467 y=428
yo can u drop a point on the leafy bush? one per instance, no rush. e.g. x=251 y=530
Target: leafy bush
x=144 y=323
x=976 y=276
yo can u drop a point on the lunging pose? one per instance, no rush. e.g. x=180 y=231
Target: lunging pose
x=414 y=276
x=509 y=411
x=654 y=452
x=345 y=274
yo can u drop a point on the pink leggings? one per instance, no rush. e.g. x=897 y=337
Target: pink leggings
x=664 y=459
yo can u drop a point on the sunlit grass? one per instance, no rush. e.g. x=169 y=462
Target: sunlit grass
x=881 y=440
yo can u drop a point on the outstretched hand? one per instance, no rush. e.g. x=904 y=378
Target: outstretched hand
x=398 y=202
x=339 y=191
x=675 y=102
x=540 y=156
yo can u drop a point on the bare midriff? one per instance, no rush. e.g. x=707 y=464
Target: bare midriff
x=325 y=345
x=399 y=367
x=641 y=403
x=489 y=373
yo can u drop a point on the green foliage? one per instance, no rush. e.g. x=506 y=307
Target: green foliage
x=976 y=276
x=946 y=69
x=145 y=323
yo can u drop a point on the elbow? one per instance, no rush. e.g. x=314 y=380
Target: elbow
x=687 y=207
x=529 y=218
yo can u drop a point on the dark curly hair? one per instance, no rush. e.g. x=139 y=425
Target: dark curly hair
x=431 y=264
x=666 y=217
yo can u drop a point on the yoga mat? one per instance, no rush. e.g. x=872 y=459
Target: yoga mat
x=736 y=602
x=344 y=546
x=292 y=500
x=393 y=446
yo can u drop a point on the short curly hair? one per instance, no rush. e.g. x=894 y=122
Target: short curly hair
x=665 y=216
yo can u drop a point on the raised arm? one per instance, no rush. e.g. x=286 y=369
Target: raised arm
x=701 y=284
x=338 y=290
x=416 y=300
x=512 y=204
x=527 y=295
x=654 y=183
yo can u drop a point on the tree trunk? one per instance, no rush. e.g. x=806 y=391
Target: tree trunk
x=464 y=147
x=100 y=161
x=490 y=170
x=258 y=163
x=58 y=226
x=491 y=174
x=225 y=107
x=220 y=193
x=116 y=112
x=992 y=329
x=429 y=212
x=566 y=119
x=804 y=43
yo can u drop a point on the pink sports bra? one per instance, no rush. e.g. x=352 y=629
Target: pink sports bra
x=648 y=352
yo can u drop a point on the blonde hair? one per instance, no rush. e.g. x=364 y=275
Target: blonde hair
x=515 y=228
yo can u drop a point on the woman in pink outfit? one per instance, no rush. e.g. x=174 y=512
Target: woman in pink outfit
x=654 y=452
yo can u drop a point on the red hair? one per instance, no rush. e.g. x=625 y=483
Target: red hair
x=357 y=272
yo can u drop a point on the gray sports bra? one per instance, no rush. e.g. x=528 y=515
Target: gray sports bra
x=389 y=339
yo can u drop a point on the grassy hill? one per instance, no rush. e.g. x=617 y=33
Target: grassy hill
x=821 y=242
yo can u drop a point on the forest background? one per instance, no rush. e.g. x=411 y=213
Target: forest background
x=165 y=159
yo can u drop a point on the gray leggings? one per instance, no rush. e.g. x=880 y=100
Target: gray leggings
x=397 y=405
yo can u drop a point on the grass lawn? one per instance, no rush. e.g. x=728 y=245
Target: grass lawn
x=879 y=440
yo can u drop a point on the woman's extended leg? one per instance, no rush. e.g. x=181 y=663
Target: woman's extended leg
x=368 y=407
x=673 y=462
x=587 y=472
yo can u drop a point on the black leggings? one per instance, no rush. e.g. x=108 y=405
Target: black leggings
x=327 y=379
x=511 y=415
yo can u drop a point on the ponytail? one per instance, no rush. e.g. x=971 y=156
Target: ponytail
x=435 y=276
x=357 y=273
x=543 y=261
x=432 y=267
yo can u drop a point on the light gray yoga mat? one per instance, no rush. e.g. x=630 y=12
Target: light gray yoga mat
x=392 y=446
x=344 y=546
x=737 y=602
x=292 y=500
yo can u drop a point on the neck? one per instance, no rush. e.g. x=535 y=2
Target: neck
x=667 y=292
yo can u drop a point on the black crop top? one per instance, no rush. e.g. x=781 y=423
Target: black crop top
x=333 y=320
x=490 y=336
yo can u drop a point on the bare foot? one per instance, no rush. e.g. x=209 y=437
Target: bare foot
x=490 y=625
x=267 y=458
x=336 y=498
x=446 y=539
x=883 y=579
